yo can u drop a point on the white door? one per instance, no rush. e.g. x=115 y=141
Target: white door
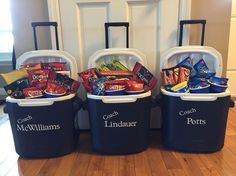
x=231 y=63
x=153 y=29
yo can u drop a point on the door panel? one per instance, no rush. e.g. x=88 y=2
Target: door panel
x=153 y=29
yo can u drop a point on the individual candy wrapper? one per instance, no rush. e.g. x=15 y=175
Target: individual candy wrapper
x=145 y=75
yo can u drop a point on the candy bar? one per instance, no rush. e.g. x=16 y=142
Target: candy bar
x=115 y=73
x=119 y=65
x=31 y=66
x=134 y=85
x=55 y=66
x=115 y=85
x=32 y=92
x=70 y=84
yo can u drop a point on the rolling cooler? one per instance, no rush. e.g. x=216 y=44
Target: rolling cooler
x=194 y=122
x=119 y=124
x=44 y=127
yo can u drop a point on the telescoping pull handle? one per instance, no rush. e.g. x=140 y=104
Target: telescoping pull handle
x=116 y=24
x=36 y=24
x=183 y=22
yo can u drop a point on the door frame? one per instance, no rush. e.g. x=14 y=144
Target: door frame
x=54 y=15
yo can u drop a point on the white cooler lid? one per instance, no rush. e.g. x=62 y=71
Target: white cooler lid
x=211 y=56
x=50 y=56
x=128 y=57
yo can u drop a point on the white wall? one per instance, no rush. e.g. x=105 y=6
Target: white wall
x=23 y=13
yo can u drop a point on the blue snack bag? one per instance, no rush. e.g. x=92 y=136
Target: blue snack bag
x=202 y=70
x=98 y=87
x=188 y=62
x=218 y=80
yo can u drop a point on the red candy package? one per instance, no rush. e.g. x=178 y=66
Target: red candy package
x=115 y=85
x=55 y=88
x=170 y=76
x=175 y=75
x=38 y=78
x=184 y=74
x=70 y=84
x=54 y=66
x=144 y=75
x=115 y=73
x=87 y=77
x=32 y=92
x=134 y=85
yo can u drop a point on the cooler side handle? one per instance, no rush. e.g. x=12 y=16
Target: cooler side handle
x=119 y=100
x=116 y=24
x=35 y=103
x=198 y=98
x=183 y=22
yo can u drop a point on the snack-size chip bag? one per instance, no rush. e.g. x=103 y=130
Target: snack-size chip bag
x=202 y=70
x=32 y=92
x=17 y=85
x=14 y=75
x=145 y=75
x=188 y=62
x=54 y=66
x=87 y=77
x=38 y=78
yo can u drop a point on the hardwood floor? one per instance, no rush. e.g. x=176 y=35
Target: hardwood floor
x=155 y=161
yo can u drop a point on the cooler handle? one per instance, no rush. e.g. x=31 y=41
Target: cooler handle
x=182 y=22
x=231 y=103
x=119 y=100
x=198 y=98
x=116 y=24
x=35 y=103
x=36 y=24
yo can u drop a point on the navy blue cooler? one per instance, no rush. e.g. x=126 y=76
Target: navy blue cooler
x=45 y=127
x=194 y=122
x=119 y=124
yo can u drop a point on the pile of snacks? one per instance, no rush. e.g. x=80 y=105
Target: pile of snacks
x=113 y=78
x=39 y=80
x=194 y=78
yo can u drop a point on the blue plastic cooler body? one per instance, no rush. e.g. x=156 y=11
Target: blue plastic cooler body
x=119 y=128
x=194 y=126
x=43 y=131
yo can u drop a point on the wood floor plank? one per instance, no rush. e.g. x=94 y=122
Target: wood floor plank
x=156 y=162
x=189 y=165
x=66 y=164
x=126 y=165
x=170 y=160
x=142 y=167
x=30 y=167
x=96 y=166
x=49 y=168
x=111 y=166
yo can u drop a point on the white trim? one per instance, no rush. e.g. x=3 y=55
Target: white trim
x=54 y=15
x=196 y=96
x=120 y=98
x=38 y=101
